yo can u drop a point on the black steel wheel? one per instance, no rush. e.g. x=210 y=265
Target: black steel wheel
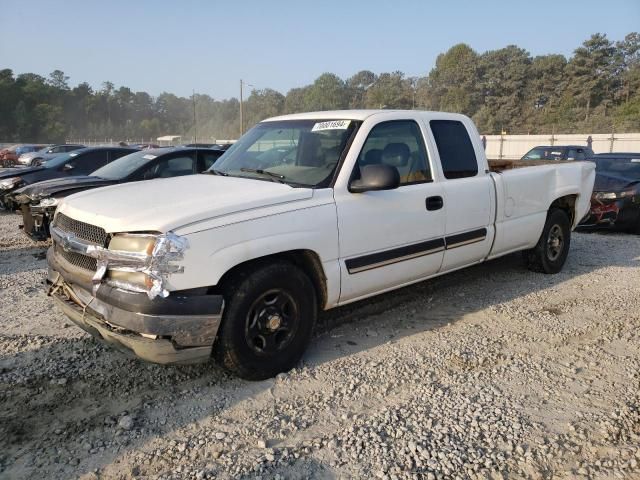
x=270 y=312
x=272 y=322
x=550 y=253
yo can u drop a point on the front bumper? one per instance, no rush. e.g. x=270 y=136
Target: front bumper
x=623 y=213
x=178 y=329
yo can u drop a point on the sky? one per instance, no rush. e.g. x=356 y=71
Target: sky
x=208 y=46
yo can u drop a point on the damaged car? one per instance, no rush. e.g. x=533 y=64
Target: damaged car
x=76 y=163
x=305 y=213
x=38 y=201
x=615 y=203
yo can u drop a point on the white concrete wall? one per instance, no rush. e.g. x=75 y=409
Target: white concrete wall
x=515 y=146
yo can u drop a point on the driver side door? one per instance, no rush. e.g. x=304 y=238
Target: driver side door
x=391 y=237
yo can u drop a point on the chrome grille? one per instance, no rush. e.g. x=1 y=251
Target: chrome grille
x=78 y=260
x=82 y=230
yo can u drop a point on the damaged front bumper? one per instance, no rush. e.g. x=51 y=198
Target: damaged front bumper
x=623 y=213
x=178 y=329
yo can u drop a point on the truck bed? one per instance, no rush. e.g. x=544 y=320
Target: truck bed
x=498 y=166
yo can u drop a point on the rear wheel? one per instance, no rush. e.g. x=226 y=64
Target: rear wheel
x=550 y=253
x=268 y=320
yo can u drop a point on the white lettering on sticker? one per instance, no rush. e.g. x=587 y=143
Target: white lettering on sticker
x=635 y=160
x=331 y=125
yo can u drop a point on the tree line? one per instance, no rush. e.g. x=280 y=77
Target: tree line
x=596 y=90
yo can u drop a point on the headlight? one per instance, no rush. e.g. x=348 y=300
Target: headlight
x=49 y=202
x=614 y=195
x=10 y=183
x=605 y=196
x=142 y=244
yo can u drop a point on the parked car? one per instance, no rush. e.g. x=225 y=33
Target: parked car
x=559 y=152
x=38 y=201
x=306 y=212
x=144 y=146
x=615 y=202
x=78 y=162
x=37 y=157
x=10 y=156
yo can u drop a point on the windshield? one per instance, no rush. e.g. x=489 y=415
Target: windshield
x=297 y=152
x=620 y=167
x=124 y=166
x=544 y=153
x=60 y=160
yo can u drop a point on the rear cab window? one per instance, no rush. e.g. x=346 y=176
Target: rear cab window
x=457 y=155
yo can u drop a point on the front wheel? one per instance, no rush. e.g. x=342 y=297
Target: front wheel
x=550 y=253
x=268 y=320
x=36 y=162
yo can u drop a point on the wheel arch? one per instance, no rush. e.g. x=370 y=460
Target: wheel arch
x=568 y=204
x=307 y=260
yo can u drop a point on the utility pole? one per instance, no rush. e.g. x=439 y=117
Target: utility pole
x=195 y=123
x=241 y=112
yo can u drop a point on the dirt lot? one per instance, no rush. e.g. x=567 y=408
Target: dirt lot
x=491 y=372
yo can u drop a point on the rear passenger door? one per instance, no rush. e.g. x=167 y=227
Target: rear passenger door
x=469 y=196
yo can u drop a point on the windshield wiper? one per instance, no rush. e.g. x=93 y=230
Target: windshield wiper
x=259 y=171
x=215 y=172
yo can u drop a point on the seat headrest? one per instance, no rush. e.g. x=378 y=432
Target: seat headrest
x=396 y=154
x=373 y=157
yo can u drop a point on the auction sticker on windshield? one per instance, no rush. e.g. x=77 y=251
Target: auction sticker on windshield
x=332 y=125
x=149 y=156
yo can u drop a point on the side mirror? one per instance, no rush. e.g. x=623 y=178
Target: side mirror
x=376 y=177
x=67 y=167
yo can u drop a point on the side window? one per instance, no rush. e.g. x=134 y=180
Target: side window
x=456 y=150
x=572 y=154
x=115 y=154
x=57 y=150
x=399 y=144
x=171 y=167
x=209 y=158
x=87 y=163
x=580 y=154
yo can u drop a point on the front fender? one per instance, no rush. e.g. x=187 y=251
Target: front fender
x=215 y=251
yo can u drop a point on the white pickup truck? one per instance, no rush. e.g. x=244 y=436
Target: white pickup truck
x=304 y=213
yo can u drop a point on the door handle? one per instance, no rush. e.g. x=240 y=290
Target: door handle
x=434 y=203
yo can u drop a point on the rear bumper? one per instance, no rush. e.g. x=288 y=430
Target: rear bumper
x=179 y=329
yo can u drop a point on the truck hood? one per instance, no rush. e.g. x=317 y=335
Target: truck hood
x=162 y=205
x=57 y=186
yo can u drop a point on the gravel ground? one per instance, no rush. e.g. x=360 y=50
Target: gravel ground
x=491 y=372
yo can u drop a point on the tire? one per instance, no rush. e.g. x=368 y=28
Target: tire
x=35 y=162
x=550 y=253
x=268 y=320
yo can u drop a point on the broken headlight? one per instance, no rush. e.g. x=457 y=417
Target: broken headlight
x=10 y=183
x=141 y=262
x=49 y=202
